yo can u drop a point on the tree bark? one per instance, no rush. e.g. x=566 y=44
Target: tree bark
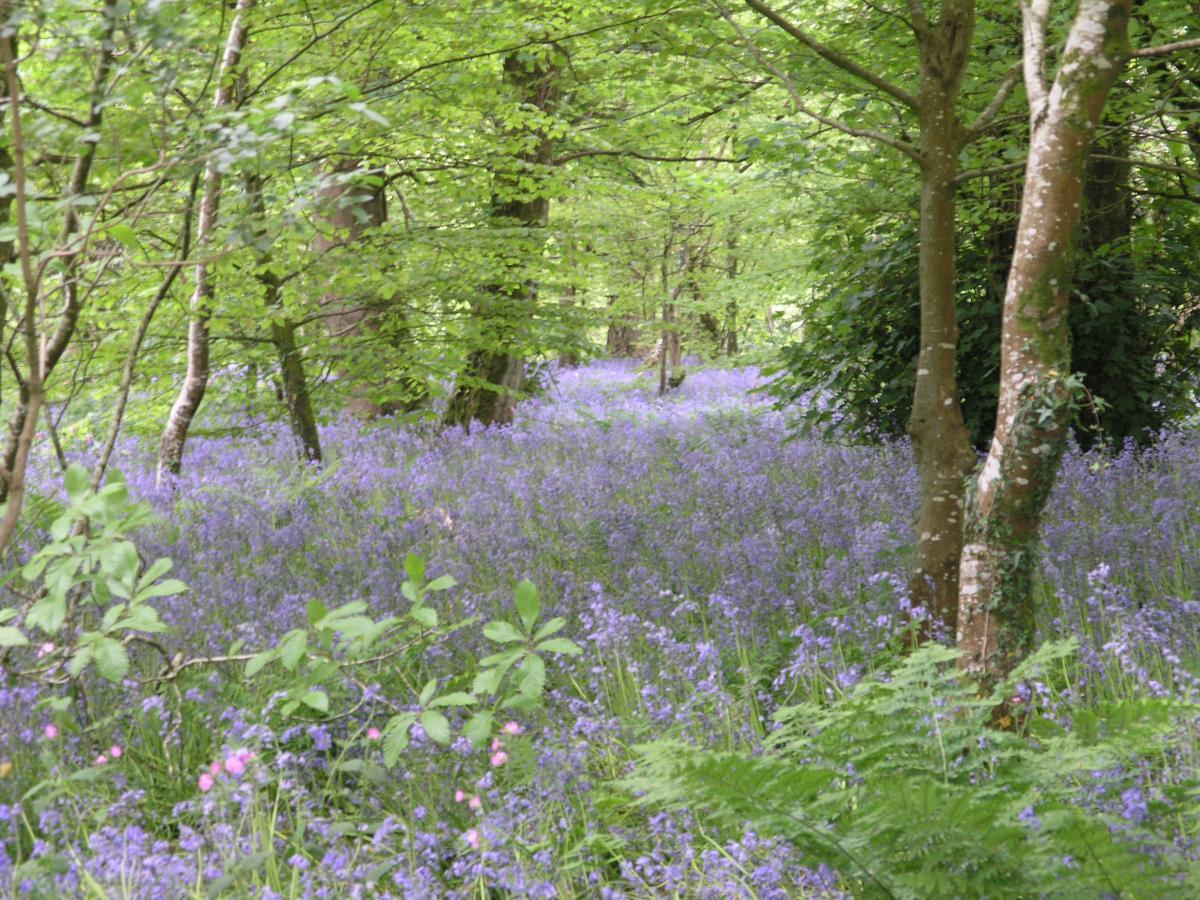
x=941 y=441
x=296 y=399
x=56 y=344
x=488 y=389
x=195 y=382
x=996 y=614
x=351 y=209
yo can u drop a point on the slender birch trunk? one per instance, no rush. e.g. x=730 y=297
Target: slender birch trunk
x=195 y=382
x=996 y=614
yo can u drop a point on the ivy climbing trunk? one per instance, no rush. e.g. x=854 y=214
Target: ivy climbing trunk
x=996 y=614
x=494 y=375
x=941 y=440
x=195 y=382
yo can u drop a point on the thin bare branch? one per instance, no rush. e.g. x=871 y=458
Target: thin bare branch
x=1164 y=49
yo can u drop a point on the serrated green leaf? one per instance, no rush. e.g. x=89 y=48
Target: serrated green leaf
x=111 y=659
x=529 y=605
x=425 y=615
x=502 y=632
x=479 y=728
x=455 y=698
x=317 y=700
x=560 y=645
x=12 y=637
x=436 y=726
x=427 y=691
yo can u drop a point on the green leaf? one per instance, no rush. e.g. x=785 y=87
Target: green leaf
x=487 y=681
x=123 y=234
x=414 y=566
x=528 y=604
x=455 y=698
x=479 y=728
x=316 y=611
x=436 y=726
x=292 y=649
x=425 y=615
x=560 y=645
x=168 y=588
x=317 y=700
x=532 y=676
x=555 y=624
x=255 y=663
x=395 y=737
x=441 y=583
x=427 y=691
x=48 y=613
x=111 y=658
x=502 y=632
x=78 y=481
x=12 y=637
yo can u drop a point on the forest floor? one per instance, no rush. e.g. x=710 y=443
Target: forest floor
x=712 y=570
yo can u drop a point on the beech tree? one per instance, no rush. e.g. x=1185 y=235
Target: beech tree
x=1037 y=389
x=940 y=437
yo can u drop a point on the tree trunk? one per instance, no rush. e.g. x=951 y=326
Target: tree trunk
x=56 y=343
x=996 y=615
x=350 y=209
x=488 y=389
x=195 y=382
x=295 y=396
x=731 y=308
x=941 y=441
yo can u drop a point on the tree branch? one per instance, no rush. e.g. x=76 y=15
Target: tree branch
x=1164 y=49
x=985 y=119
x=833 y=56
x=1034 y=14
x=903 y=146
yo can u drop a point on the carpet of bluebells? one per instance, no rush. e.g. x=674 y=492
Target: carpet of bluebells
x=711 y=568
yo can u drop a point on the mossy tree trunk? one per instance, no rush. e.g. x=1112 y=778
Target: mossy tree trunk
x=996 y=614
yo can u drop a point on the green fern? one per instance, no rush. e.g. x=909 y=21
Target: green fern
x=907 y=791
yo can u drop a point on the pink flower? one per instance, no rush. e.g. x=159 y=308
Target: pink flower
x=499 y=758
x=115 y=751
x=512 y=728
x=459 y=796
x=234 y=765
x=206 y=783
x=475 y=802
x=100 y=760
x=51 y=731
x=373 y=734
x=45 y=650
x=214 y=768
x=472 y=838
x=245 y=754
x=496 y=744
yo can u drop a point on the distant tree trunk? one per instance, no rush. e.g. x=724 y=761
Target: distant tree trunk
x=294 y=384
x=195 y=382
x=622 y=333
x=350 y=208
x=941 y=441
x=489 y=386
x=731 y=308
x=996 y=614
x=570 y=356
